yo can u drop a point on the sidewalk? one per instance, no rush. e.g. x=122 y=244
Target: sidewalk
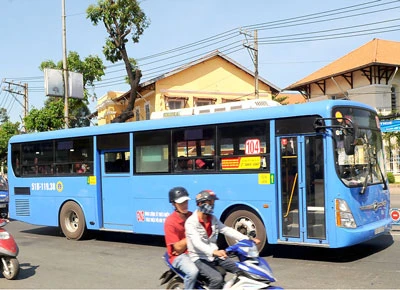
x=394 y=188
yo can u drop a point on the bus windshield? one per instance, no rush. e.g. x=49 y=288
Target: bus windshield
x=360 y=162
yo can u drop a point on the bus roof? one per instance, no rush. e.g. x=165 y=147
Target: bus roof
x=272 y=112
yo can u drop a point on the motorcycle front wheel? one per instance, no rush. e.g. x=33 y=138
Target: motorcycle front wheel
x=175 y=283
x=13 y=268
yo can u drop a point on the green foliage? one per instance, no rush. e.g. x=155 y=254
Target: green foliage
x=7 y=130
x=51 y=116
x=280 y=99
x=121 y=18
x=391 y=178
x=91 y=68
x=3 y=115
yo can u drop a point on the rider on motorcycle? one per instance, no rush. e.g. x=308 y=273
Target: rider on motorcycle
x=175 y=238
x=202 y=229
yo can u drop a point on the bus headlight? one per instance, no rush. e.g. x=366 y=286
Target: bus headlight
x=344 y=217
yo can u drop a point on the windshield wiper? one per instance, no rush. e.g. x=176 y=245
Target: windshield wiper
x=362 y=191
x=370 y=157
x=385 y=186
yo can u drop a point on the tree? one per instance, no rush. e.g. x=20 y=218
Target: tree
x=3 y=115
x=7 y=130
x=50 y=117
x=121 y=18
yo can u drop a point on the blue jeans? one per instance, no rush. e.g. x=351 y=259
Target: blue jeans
x=215 y=278
x=185 y=264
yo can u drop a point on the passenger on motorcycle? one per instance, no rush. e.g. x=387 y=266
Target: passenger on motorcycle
x=202 y=229
x=175 y=238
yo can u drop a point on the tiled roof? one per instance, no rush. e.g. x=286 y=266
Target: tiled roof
x=377 y=51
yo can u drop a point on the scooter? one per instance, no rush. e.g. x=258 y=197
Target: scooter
x=254 y=272
x=9 y=265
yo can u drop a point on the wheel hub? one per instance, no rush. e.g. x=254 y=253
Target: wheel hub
x=244 y=226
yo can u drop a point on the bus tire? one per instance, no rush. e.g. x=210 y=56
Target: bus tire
x=245 y=222
x=72 y=221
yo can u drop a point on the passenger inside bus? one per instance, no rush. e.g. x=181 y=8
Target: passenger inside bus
x=181 y=164
x=79 y=168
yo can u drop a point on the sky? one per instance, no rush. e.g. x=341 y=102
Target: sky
x=295 y=38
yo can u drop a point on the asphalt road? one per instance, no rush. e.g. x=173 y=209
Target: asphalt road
x=127 y=261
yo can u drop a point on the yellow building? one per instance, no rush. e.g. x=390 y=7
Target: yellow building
x=108 y=105
x=213 y=79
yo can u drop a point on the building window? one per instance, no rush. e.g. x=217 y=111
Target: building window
x=197 y=102
x=393 y=98
x=147 y=110
x=137 y=113
x=175 y=104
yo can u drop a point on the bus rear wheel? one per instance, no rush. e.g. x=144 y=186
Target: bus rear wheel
x=249 y=224
x=72 y=221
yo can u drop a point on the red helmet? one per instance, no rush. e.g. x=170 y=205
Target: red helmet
x=205 y=195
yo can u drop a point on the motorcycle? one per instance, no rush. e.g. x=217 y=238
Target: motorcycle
x=254 y=272
x=9 y=265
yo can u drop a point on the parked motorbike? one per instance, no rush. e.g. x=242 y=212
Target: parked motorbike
x=255 y=273
x=9 y=265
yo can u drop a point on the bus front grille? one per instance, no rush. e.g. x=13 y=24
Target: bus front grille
x=22 y=207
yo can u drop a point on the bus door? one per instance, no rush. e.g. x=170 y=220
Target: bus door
x=116 y=195
x=301 y=189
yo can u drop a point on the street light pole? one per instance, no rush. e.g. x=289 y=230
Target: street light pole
x=65 y=65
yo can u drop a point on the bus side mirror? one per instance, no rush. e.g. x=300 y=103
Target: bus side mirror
x=349 y=145
x=349 y=139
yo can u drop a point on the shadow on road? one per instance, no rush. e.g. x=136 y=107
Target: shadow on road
x=341 y=255
x=149 y=240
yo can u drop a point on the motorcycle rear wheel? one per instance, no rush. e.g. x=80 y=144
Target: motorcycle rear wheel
x=175 y=283
x=13 y=267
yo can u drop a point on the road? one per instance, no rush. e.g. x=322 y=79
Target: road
x=127 y=261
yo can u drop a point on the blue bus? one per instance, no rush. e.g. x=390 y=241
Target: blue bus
x=306 y=174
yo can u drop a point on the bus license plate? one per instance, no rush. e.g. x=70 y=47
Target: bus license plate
x=379 y=230
x=3 y=205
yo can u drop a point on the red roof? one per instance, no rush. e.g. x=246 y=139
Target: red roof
x=377 y=51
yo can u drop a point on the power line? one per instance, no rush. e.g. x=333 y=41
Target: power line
x=183 y=54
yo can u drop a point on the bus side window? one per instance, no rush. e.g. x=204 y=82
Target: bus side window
x=234 y=147
x=195 y=146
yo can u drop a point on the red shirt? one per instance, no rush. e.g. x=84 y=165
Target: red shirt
x=174 y=230
x=207 y=225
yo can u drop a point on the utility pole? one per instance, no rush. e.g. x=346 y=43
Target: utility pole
x=11 y=88
x=253 y=51
x=65 y=65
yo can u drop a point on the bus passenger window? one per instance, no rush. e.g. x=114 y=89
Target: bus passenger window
x=152 y=152
x=244 y=146
x=117 y=162
x=195 y=144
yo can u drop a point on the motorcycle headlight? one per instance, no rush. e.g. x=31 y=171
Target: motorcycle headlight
x=251 y=252
x=4 y=236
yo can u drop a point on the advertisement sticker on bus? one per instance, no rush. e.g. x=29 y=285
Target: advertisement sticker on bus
x=266 y=178
x=253 y=162
x=151 y=216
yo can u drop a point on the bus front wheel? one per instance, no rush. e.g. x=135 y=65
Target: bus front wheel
x=249 y=224
x=72 y=221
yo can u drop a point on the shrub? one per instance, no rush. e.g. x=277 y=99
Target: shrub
x=390 y=177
